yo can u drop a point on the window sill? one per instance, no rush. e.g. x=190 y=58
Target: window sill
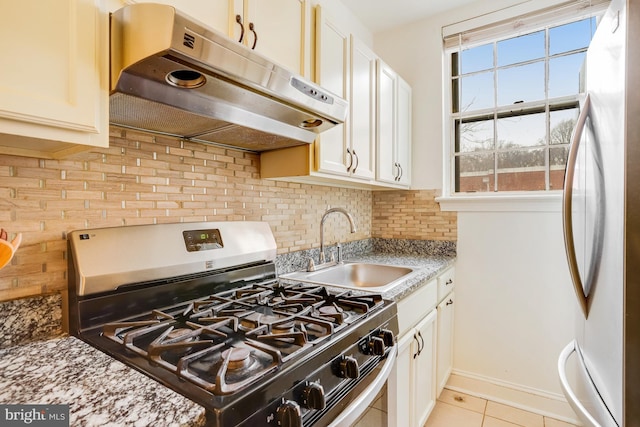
x=548 y=202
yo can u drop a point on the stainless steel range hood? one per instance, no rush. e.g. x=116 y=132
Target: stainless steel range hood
x=172 y=75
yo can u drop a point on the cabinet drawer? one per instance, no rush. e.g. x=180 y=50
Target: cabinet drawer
x=416 y=306
x=446 y=282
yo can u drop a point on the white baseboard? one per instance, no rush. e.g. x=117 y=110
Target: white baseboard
x=529 y=399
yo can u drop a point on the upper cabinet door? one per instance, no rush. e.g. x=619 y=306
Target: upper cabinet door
x=388 y=170
x=394 y=127
x=54 y=74
x=363 y=110
x=332 y=73
x=403 y=132
x=277 y=30
x=213 y=13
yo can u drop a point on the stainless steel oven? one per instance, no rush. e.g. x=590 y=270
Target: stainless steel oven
x=199 y=308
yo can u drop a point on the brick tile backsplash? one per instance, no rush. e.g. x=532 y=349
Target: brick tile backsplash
x=146 y=179
x=411 y=214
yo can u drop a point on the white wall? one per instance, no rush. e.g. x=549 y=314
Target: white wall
x=515 y=306
x=514 y=299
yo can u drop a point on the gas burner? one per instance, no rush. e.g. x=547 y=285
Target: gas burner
x=332 y=312
x=180 y=333
x=237 y=358
x=328 y=310
x=283 y=327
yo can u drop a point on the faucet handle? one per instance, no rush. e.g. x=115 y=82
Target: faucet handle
x=311 y=266
x=339 y=251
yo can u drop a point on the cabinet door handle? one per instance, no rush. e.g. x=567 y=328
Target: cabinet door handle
x=357 y=161
x=396 y=172
x=255 y=35
x=350 y=160
x=401 y=172
x=422 y=346
x=449 y=302
x=416 y=354
x=239 y=21
x=450 y=281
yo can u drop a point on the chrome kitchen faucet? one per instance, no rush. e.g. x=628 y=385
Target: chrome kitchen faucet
x=322 y=261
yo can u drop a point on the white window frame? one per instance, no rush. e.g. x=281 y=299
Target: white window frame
x=517 y=20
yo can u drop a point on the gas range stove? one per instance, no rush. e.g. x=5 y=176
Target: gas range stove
x=199 y=308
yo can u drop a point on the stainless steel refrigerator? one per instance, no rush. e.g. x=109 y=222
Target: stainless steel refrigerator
x=600 y=369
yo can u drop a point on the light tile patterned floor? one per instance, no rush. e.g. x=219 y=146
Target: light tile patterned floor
x=455 y=409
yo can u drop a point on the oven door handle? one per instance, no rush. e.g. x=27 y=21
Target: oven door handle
x=351 y=413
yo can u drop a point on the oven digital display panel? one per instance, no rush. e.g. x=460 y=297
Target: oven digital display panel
x=202 y=240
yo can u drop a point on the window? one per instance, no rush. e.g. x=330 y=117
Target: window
x=514 y=101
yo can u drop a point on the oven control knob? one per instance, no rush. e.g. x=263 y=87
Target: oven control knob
x=387 y=337
x=376 y=346
x=289 y=414
x=313 y=396
x=348 y=367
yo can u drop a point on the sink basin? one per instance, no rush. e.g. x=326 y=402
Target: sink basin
x=375 y=277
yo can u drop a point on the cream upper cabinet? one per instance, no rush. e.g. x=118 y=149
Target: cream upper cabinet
x=54 y=94
x=346 y=67
x=403 y=129
x=372 y=148
x=277 y=29
x=333 y=73
x=394 y=127
x=363 y=111
x=213 y=13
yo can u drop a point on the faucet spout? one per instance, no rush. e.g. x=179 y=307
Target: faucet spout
x=324 y=217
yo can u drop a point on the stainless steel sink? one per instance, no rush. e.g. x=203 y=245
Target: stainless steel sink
x=376 y=277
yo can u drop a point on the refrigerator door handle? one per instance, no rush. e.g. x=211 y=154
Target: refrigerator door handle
x=566 y=206
x=573 y=400
x=598 y=407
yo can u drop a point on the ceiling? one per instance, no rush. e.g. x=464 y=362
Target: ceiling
x=380 y=15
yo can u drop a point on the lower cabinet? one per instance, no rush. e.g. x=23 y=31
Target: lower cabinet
x=414 y=380
x=425 y=351
x=423 y=363
x=445 y=341
x=412 y=386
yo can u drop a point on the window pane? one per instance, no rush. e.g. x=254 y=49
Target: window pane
x=558 y=161
x=575 y=35
x=561 y=124
x=474 y=172
x=477 y=91
x=476 y=59
x=520 y=49
x=521 y=170
x=475 y=136
x=521 y=84
x=454 y=64
x=521 y=131
x=564 y=74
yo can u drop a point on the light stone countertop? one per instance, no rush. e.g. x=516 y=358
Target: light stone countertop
x=100 y=390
